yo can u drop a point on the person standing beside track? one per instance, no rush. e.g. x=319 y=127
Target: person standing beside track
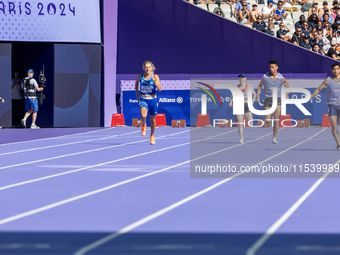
x=244 y=87
x=148 y=82
x=271 y=80
x=31 y=101
x=332 y=99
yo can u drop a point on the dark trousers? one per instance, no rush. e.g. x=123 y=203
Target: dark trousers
x=18 y=111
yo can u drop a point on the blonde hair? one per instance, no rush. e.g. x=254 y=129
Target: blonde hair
x=149 y=62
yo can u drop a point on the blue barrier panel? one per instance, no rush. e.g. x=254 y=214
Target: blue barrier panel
x=181 y=104
x=174 y=104
x=317 y=108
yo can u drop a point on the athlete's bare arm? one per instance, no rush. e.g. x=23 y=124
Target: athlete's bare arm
x=321 y=87
x=231 y=100
x=253 y=92
x=259 y=88
x=157 y=82
x=285 y=83
x=136 y=87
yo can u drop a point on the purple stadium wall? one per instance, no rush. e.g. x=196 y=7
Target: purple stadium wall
x=181 y=38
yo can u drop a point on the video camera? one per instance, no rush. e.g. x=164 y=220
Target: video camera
x=42 y=81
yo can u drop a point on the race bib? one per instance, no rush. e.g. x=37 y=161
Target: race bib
x=146 y=89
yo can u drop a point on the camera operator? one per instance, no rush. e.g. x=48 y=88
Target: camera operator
x=18 y=102
x=31 y=102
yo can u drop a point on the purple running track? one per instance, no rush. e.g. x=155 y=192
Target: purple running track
x=61 y=194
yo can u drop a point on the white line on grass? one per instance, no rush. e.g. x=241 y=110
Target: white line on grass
x=138 y=223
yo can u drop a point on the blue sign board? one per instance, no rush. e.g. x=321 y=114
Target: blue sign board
x=186 y=104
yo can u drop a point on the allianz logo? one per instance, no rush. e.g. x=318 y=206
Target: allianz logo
x=167 y=100
x=179 y=100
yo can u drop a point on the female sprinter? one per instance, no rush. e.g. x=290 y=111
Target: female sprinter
x=148 y=82
x=244 y=87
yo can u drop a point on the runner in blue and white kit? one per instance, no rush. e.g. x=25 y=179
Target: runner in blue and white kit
x=148 y=82
x=271 y=80
x=332 y=99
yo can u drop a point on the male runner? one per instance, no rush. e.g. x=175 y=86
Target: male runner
x=244 y=87
x=332 y=99
x=271 y=80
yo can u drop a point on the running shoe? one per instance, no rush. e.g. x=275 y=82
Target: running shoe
x=23 y=123
x=241 y=141
x=337 y=148
x=152 y=140
x=144 y=130
x=33 y=126
x=275 y=141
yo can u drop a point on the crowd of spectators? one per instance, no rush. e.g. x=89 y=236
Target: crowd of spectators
x=318 y=28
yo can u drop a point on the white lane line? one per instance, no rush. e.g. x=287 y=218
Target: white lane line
x=64 y=144
x=260 y=242
x=138 y=223
x=82 y=152
x=56 y=137
x=97 y=165
x=44 y=208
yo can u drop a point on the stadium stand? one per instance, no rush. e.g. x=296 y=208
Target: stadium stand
x=319 y=7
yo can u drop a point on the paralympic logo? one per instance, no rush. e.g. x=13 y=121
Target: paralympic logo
x=208 y=92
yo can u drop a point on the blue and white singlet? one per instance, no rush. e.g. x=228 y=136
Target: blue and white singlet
x=147 y=87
